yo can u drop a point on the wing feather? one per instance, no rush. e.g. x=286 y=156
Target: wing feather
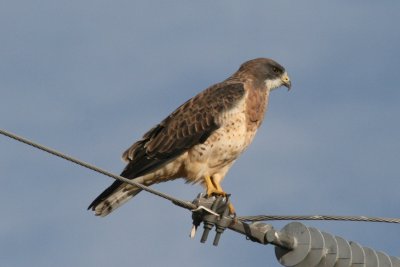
x=190 y=124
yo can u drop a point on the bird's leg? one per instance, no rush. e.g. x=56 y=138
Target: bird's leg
x=213 y=188
x=231 y=209
x=230 y=206
x=219 y=189
x=210 y=187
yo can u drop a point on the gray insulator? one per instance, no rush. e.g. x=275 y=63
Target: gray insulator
x=301 y=248
x=357 y=255
x=314 y=256
x=371 y=259
x=344 y=253
x=330 y=251
x=312 y=248
x=384 y=259
x=395 y=261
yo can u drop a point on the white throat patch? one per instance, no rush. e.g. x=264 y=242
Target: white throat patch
x=273 y=84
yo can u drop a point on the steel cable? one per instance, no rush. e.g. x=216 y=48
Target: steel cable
x=316 y=218
x=189 y=205
x=178 y=202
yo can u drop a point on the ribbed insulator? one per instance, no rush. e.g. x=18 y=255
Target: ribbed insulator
x=313 y=248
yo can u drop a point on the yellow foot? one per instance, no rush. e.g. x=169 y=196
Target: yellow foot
x=215 y=192
x=232 y=210
x=213 y=189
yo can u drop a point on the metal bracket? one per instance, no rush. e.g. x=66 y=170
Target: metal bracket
x=296 y=245
x=212 y=211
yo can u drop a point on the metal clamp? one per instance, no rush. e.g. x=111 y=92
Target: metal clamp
x=211 y=211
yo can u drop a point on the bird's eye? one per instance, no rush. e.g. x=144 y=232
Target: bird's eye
x=275 y=69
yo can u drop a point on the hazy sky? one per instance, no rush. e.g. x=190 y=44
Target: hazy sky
x=90 y=77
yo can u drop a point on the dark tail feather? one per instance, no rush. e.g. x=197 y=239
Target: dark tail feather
x=113 y=197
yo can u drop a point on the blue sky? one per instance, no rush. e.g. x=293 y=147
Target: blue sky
x=90 y=77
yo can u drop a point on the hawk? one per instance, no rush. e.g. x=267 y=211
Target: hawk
x=202 y=138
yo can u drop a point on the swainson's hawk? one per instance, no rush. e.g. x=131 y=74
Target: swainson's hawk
x=202 y=138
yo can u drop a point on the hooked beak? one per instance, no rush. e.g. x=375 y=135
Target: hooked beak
x=286 y=80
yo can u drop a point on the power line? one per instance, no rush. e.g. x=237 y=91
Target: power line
x=259 y=218
x=296 y=245
x=176 y=201
x=187 y=204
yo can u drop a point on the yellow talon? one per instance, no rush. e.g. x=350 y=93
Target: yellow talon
x=213 y=189
x=216 y=189
x=231 y=209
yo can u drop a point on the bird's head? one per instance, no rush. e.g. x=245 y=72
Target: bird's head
x=267 y=72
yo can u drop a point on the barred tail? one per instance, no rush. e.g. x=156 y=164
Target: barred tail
x=114 y=196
